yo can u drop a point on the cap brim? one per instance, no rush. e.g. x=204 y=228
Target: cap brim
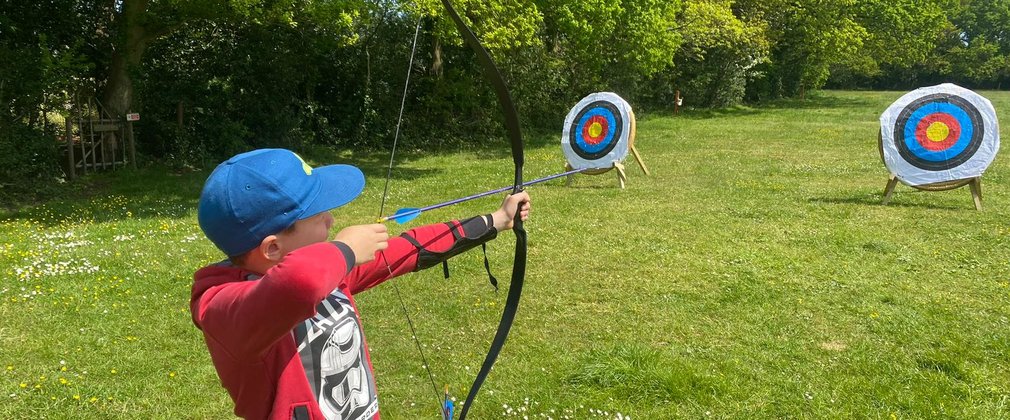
x=338 y=185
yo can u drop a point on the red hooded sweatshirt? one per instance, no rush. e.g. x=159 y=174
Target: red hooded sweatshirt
x=288 y=343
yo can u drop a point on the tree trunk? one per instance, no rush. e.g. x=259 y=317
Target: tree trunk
x=436 y=58
x=127 y=51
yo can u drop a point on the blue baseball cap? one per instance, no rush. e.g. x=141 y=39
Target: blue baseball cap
x=260 y=193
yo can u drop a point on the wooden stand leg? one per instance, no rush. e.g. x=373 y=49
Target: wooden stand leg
x=891 y=183
x=638 y=159
x=622 y=176
x=976 y=192
x=569 y=178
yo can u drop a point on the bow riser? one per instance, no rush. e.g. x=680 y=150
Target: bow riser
x=493 y=75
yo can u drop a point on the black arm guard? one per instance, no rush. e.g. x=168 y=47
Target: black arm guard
x=476 y=231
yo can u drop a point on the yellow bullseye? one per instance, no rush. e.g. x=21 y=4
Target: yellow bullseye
x=937 y=131
x=595 y=129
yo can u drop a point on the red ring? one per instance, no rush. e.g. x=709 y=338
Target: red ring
x=590 y=140
x=940 y=117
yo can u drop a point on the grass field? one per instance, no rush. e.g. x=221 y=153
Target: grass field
x=753 y=275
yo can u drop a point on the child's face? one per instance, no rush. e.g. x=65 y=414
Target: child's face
x=308 y=231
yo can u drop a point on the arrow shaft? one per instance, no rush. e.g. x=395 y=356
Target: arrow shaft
x=483 y=194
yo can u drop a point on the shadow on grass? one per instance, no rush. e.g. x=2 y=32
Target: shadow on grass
x=158 y=191
x=877 y=201
x=483 y=148
x=152 y=192
x=585 y=185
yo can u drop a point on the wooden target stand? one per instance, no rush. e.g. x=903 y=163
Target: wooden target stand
x=622 y=175
x=975 y=184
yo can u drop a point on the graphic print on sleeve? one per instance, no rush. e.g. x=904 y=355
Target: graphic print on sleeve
x=332 y=349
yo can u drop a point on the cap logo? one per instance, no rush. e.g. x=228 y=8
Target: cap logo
x=305 y=166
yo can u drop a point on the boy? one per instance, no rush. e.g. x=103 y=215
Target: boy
x=279 y=316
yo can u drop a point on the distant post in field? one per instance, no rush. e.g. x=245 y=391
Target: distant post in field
x=130 y=145
x=71 y=172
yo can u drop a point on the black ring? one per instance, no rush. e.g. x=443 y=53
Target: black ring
x=978 y=132
x=574 y=131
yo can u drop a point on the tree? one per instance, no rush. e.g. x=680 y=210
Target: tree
x=719 y=52
x=135 y=24
x=43 y=56
x=807 y=37
x=981 y=53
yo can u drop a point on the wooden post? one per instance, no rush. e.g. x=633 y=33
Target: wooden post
x=622 y=177
x=94 y=142
x=631 y=141
x=84 y=150
x=638 y=158
x=976 y=192
x=891 y=183
x=71 y=170
x=130 y=145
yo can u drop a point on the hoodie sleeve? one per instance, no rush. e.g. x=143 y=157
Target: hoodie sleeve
x=420 y=248
x=246 y=317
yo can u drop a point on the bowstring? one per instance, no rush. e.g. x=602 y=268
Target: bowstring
x=399 y=118
x=382 y=207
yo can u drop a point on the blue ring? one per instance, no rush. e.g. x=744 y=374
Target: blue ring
x=611 y=123
x=967 y=130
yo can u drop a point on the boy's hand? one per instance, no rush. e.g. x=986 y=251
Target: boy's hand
x=505 y=215
x=364 y=240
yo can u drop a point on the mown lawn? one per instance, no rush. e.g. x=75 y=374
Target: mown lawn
x=753 y=275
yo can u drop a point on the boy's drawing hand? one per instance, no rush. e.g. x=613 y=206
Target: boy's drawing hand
x=505 y=215
x=364 y=240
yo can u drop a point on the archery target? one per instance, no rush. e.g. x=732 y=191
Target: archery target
x=939 y=134
x=596 y=131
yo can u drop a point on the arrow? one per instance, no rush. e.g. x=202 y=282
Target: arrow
x=448 y=407
x=407 y=214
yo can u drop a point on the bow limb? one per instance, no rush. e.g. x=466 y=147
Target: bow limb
x=493 y=75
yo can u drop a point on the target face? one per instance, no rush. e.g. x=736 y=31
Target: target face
x=596 y=131
x=939 y=134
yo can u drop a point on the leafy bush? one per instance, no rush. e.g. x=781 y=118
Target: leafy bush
x=30 y=161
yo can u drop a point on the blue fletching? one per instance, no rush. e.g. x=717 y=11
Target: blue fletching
x=448 y=412
x=405 y=215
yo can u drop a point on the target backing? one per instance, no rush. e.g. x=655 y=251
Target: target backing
x=596 y=131
x=939 y=134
